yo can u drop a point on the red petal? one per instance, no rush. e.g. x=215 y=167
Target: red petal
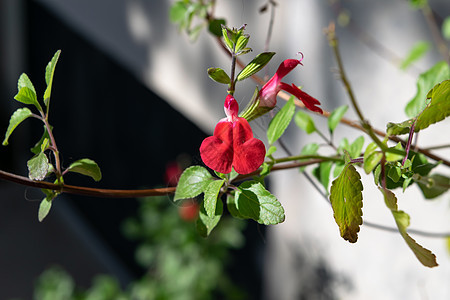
x=217 y=150
x=309 y=101
x=249 y=152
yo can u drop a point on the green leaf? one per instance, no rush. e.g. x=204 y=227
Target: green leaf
x=305 y=122
x=17 y=117
x=355 y=148
x=241 y=43
x=255 y=202
x=205 y=223
x=417 y=51
x=446 y=28
x=399 y=128
x=395 y=173
x=371 y=157
x=426 y=82
x=226 y=38
x=322 y=173
x=38 y=167
x=86 y=167
x=38 y=146
x=215 y=26
x=309 y=149
x=255 y=65
x=49 y=72
x=192 y=183
x=232 y=207
x=281 y=121
x=44 y=209
x=271 y=150
x=417 y=4
x=346 y=200
x=438 y=108
x=336 y=116
x=434 y=186
x=394 y=156
x=218 y=75
x=27 y=93
x=425 y=256
x=211 y=195
x=177 y=12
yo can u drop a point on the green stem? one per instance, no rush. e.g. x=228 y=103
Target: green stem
x=303 y=157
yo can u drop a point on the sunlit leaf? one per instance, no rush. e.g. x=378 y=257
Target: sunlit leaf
x=346 y=200
x=211 y=195
x=38 y=167
x=218 y=75
x=86 y=167
x=49 y=72
x=44 y=209
x=17 y=117
x=418 y=50
x=305 y=122
x=192 y=182
x=255 y=65
x=205 y=223
x=336 y=116
x=426 y=82
x=281 y=121
x=255 y=202
x=371 y=157
x=399 y=128
x=446 y=28
x=438 y=108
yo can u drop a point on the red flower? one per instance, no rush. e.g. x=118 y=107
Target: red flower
x=268 y=93
x=232 y=144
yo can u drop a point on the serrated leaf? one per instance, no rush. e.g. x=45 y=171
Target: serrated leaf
x=336 y=116
x=346 y=200
x=435 y=186
x=417 y=51
x=426 y=82
x=305 y=122
x=38 y=167
x=218 y=75
x=86 y=167
x=438 y=108
x=255 y=65
x=211 y=195
x=371 y=157
x=281 y=121
x=253 y=201
x=17 y=117
x=26 y=92
x=49 y=72
x=193 y=181
x=205 y=223
x=425 y=256
x=44 y=209
x=215 y=26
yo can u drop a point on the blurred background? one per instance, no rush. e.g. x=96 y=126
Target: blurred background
x=131 y=92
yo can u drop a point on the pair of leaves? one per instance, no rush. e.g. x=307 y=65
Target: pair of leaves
x=251 y=200
x=425 y=256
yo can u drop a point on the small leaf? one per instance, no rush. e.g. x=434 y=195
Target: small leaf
x=192 y=183
x=44 y=209
x=346 y=200
x=232 y=207
x=371 y=157
x=305 y=122
x=211 y=195
x=438 y=108
x=241 y=43
x=418 y=50
x=255 y=65
x=206 y=224
x=218 y=75
x=281 y=121
x=446 y=28
x=394 y=156
x=271 y=150
x=226 y=38
x=322 y=173
x=336 y=116
x=399 y=128
x=38 y=167
x=426 y=82
x=309 y=149
x=49 y=72
x=215 y=26
x=177 y=12
x=436 y=185
x=255 y=202
x=86 y=167
x=425 y=256
x=395 y=173
x=38 y=146
x=17 y=117
x=355 y=148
